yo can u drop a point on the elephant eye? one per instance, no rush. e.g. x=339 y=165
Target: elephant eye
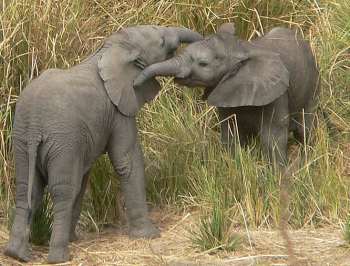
x=171 y=53
x=203 y=63
x=162 y=43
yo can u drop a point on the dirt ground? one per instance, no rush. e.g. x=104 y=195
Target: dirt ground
x=263 y=247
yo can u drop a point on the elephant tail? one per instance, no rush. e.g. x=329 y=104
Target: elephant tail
x=32 y=155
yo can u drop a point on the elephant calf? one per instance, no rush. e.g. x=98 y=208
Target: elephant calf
x=267 y=87
x=65 y=119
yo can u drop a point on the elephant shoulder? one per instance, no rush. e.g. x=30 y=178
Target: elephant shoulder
x=40 y=83
x=51 y=74
x=67 y=79
x=47 y=79
x=58 y=84
x=48 y=74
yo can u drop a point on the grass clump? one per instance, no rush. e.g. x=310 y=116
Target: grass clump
x=214 y=232
x=41 y=227
x=346 y=230
x=103 y=200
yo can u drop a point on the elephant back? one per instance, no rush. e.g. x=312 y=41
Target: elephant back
x=298 y=58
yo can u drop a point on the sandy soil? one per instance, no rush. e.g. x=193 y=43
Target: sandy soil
x=263 y=247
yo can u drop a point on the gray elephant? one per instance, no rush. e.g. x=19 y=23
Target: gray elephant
x=65 y=119
x=267 y=87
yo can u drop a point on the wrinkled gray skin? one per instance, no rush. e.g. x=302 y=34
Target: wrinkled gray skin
x=65 y=119
x=265 y=86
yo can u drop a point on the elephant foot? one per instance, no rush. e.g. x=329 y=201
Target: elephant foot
x=58 y=255
x=144 y=230
x=18 y=250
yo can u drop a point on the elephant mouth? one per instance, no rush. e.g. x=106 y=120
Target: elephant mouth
x=191 y=82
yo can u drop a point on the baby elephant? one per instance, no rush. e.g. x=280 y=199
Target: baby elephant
x=65 y=119
x=266 y=87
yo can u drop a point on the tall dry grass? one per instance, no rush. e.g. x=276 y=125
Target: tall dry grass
x=185 y=163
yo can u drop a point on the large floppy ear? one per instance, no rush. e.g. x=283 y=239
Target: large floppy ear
x=261 y=79
x=118 y=67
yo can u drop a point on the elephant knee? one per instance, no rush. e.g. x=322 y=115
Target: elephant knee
x=21 y=194
x=62 y=197
x=123 y=166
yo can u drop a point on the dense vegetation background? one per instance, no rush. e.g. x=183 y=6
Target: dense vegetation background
x=185 y=164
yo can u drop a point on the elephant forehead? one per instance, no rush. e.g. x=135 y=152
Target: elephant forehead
x=201 y=51
x=145 y=35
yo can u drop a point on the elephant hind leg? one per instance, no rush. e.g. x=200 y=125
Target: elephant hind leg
x=18 y=246
x=65 y=178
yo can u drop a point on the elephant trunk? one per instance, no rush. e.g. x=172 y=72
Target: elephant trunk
x=187 y=35
x=171 y=67
x=174 y=66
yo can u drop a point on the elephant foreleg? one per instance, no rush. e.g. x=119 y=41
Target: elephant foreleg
x=126 y=156
x=232 y=134
x=226 y=135
x=274 y=131
x=274 y=141
x=77 y=208
x=228 y=132
x=305 y=123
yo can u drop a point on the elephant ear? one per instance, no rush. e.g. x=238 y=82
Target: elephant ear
x=261 y=79
x=118 y=67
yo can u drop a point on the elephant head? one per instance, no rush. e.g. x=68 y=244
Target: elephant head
x=235 y=72
x=127 y=52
